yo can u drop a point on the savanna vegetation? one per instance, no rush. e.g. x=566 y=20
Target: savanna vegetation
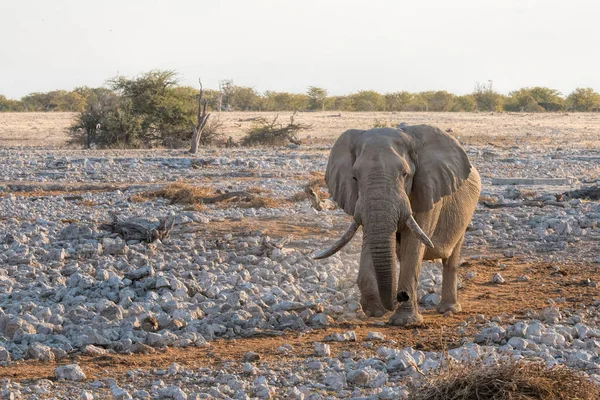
x=229 y=97
x=154 y=109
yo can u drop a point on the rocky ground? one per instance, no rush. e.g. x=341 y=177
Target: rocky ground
x=218 y=310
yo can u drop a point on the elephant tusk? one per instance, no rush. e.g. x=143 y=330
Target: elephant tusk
x=412 y=224
x=341 y=242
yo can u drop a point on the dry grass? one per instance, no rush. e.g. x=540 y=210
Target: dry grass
x=317 y=183
x=502 y=129
x=528 y=194
x=505 y=380
x=178 y=193
x=262 y=202
x=193 y=197
x=87 y=203
x=257 y=190
x=298 y=197
x=487 y=199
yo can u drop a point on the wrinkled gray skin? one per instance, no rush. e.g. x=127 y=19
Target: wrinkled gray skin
x=384 y=176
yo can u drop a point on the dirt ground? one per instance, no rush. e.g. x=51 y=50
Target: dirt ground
x=478 y=299
x=500 y=129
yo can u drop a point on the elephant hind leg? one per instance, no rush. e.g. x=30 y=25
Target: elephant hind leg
x=449 y=289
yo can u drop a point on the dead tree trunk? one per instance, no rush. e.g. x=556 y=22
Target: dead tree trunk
x=220 y=98
x=202 y=119
x=588 y=193
x=137 y=231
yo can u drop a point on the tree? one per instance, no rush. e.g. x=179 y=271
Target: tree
x=56 y=100
x=36 y=101
x=101 y=122
x=241 y=98
x=439 y=100
x=418 y=102
x=283 y=101
x=368 y=100
x=583 y=99
x=226 y=88
x=397 y=101
x=244 y=98
x=534 y=99
x=464 y=103
x=9 y=105
x=137 y=112
x=317 y=98
x=486 y=99
x=164 y=112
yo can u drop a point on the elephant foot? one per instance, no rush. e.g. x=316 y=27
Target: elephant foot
x=406 y=317
x=451 y=307
x=372 y=307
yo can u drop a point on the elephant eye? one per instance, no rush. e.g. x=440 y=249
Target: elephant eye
x=404 y=174
x=354 y=178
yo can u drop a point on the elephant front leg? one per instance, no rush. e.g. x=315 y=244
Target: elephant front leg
x=449 y=290
x=410 y=253
x=367 y=283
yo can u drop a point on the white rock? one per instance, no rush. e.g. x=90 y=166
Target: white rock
x=375 y=336
x=71 y=372
x=322 y=349
x=335 y=380
x=498 y=279
x=550 y=315
x=517 y=343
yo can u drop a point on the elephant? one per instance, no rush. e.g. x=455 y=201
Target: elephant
x=414 y=191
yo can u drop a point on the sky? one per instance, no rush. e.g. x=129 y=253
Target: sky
x=288 y=45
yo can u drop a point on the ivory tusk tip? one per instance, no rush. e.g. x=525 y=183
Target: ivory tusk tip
x=320 y=255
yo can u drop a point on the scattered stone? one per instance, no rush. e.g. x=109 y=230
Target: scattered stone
x=71 y=372
x=322 y=349
x=349 y=336
x=377 y=336
x=250 y=356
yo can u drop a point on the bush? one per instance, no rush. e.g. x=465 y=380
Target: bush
x=9 y=105
x=583 y=99
x=535 y=99
x=100 y=122
x=141 y=112
x=282 y=101
x=381 y=123
x=464 y=103
x=397 y=101
x=368 y=100
x=272 y=133
x=212 y=134
x=486 y=99
x=316 y=98
x=56 y=100
x=505 y=380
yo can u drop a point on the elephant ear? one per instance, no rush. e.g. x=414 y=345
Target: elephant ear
x=343 y=189
x=442 y=166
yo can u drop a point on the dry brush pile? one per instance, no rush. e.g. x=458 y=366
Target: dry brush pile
x=506 y=380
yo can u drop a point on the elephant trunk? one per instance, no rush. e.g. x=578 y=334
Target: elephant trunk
x=383 y=253
x=383 y=219
x=379 y=228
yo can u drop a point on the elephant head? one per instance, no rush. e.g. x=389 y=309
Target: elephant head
x=382 y=177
